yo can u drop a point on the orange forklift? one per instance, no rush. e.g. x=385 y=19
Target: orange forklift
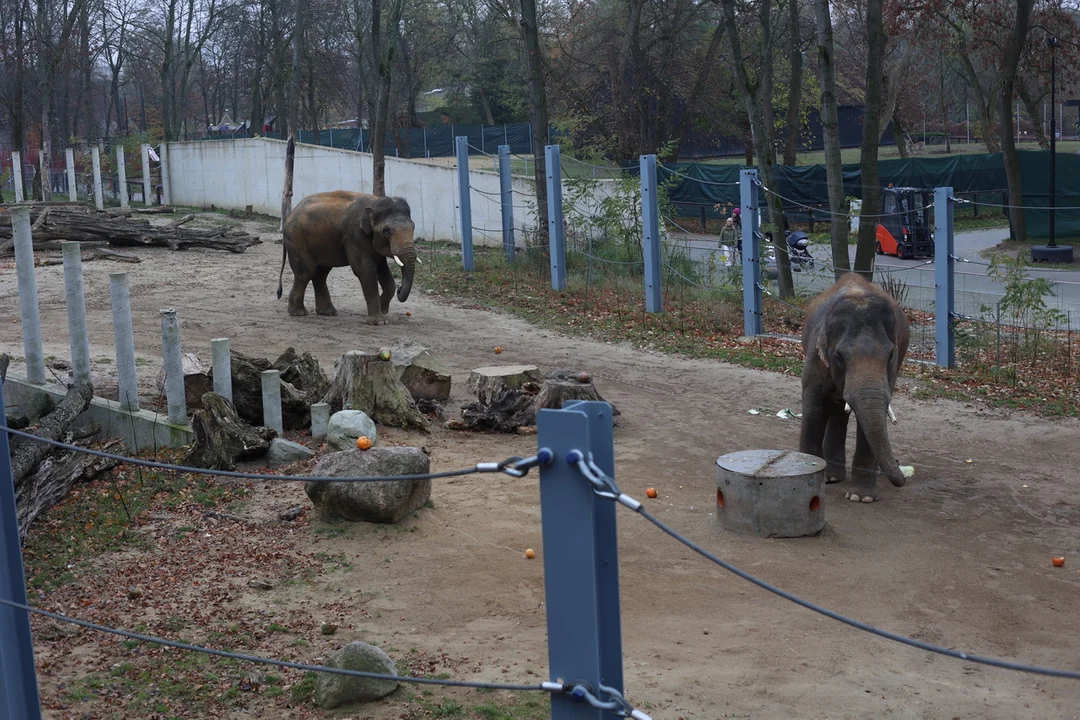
x=904 y=228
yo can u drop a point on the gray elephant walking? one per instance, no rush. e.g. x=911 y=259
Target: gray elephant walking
x=854 y=341
x=358 y=230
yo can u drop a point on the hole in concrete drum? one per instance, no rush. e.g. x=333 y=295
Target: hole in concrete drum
x=815 y=504
x=719 y=498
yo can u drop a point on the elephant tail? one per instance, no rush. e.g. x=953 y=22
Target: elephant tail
x=284 y=257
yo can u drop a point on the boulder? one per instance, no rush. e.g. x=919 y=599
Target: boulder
x=376 y=502
x=347 y=425
x=332 y=690
x=197 y=381
x=285 y=452
x=422 y=374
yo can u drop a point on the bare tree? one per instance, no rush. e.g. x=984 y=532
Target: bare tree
x=871 y=139
x=383 y=51
x=538 y=111
x=834 y=171
x=795 y=56
x=1008 y=144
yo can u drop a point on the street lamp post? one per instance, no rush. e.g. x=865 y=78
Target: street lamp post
x=1052 y=252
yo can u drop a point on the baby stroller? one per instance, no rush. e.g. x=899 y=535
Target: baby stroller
x=798 y=250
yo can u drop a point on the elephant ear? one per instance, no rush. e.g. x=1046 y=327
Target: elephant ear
x=367 y=220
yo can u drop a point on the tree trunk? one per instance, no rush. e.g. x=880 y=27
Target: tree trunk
x=830 y=120
x=944 y=103
x=286 y=191
x=1008 y=141
x=620 y=91
x=759 y=110
x=1031 y=105
x=26 y=453
x=705 y=74
x=366 y=383
x=868 y=160
x=384 y=57
x=538 y=113
x=901 y=135
x=791 y=145
x=982 y=104
x=294 y=84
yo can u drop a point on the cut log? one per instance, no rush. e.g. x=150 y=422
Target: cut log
x=488 y=382
x=508 y=409
x=247 y=392
x=27 y=453
x=422 y=374
x=221 y=440
x=366 y=383
x=561 y=386
x=54 y=477
x=197 y=380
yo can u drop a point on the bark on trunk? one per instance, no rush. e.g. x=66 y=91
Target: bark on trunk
x=1031 y=106
x=834 y=172
x=26 y=453
x=791 y=145
x=366 y=383
x=221 y=439
x=1008 y=141
x=538 y=113
x=286 y=190
x=871 y=193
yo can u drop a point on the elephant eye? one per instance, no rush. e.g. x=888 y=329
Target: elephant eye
x=838 y=360
x=386 y=232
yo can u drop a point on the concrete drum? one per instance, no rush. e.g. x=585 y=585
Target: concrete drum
x=771 y=493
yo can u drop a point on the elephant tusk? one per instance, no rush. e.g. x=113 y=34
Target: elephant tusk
x=891 y=413
x=398 y=261
x=847 y=408
x=418 y=261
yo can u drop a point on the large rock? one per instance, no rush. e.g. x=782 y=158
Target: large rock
x=347 y=425
x=376 y=502
x=422 y=374
x=285 y=452
x=332 y=690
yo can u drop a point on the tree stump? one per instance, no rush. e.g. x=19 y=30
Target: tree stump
x=507 y=410
x=247 y=388
x=488 y=382
x=366 y=383
x=422 y=374
x=302 y=371
x=563 y=385
x=221 y=439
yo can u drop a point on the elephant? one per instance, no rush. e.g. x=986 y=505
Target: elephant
x=339 y=228
x=854 y=341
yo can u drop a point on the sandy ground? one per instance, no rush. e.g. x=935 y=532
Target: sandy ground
x=959 y=557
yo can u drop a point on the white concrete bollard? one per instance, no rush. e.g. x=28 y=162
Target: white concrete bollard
x=320 y=420
x=271 y=397
x=166 y=186
x=221 y=362
x=73 y=189
x=16 y=175
x=174 y=367
x=146 y=189
x=95 y=159
x=124 y=339
x=121 y=170
x=76 y=309
x=28 y=296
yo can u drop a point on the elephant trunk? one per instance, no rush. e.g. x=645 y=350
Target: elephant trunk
x=408 y=266
x=871 y=408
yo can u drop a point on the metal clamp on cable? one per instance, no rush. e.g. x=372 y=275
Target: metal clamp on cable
x=617 y=705
x=519 y=467
x=603 y=486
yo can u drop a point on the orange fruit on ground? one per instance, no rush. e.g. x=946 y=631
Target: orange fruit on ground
x=651 y=492
x=408 y=313
x=498 y=349
x=530 y=554
x=1058 y=562
x=364 y=442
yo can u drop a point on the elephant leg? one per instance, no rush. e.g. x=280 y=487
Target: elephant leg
x=365 y=270
x=323 y=306
x=812 y=430
x=386 y=280
x=301 y=277
x=863 y=470
x=835 y=444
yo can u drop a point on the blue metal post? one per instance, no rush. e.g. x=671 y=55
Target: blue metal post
x=579 y=640
x=751 y=254
x=506 y=192
x=650 y=222
x=464 y=201
x=18 y=677
x=944 y=296
x=556 y=241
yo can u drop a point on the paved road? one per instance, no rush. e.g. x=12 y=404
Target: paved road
x=976 y=292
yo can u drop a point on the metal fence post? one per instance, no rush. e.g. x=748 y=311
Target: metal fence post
x=73 y=189
x=944 y=266
x=751 y=254
x=577 y=642
x=121 y=170
x=556 y=241
x=506 y=193
x=95 y=162
x=29 y=313
x=16 y=176
x=18 y=676
x=650 y=224
x=146 y=189
x=464 y=201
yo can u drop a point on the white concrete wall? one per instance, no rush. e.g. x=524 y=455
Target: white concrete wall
x=237 y=173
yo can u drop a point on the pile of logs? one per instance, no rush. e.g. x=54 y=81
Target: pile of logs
x=119 y=227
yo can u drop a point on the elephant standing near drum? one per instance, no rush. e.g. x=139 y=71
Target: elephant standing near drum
x=854 y=340
x=358 y=230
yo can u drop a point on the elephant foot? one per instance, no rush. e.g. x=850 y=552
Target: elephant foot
x=330 y=311
x=385 y=306
x=856 y=497
x=830 y=478
x=298 y=312
x=377 y=321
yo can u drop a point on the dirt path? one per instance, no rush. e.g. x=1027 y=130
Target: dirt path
x=960 y=556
